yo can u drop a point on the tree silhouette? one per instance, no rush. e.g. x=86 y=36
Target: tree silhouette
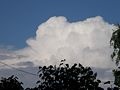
x=65 y=77
x=10 y=83
x=115 y=43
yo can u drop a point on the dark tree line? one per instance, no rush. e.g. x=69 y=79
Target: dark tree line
x=62 y=77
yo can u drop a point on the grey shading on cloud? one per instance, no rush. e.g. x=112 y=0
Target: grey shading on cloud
x=4 y=57
x=28 y=64
x=5 y=53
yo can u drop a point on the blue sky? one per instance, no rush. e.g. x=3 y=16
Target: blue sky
x=19 y=19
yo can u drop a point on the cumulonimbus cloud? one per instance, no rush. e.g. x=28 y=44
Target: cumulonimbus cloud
x=85 y=42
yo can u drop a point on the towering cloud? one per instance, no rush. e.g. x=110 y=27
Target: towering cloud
x=85 y=42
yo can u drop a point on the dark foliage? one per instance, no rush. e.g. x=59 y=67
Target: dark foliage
x=65 y=77
x=115 y=43
x=116 y=73
x=10 y=83
x=115 y=88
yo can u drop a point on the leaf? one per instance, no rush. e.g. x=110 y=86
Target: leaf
x=67 y=65
x=37 y=82
x=63 y=60
x=61 y=64
x=99 y=81
x=108 y=82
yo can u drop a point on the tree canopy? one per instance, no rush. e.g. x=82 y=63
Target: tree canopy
x=60 y=77
x=65 y=77
x=10 y=83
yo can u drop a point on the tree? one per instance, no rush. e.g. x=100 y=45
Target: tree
x=10 y=83
x=65 y=77
x=115 y=43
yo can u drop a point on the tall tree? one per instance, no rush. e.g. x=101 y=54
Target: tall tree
x=115 y=43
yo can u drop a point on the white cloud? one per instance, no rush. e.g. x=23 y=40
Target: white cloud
x=86 y=42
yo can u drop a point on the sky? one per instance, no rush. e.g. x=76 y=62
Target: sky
x=19 y=19
x=42 y=32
